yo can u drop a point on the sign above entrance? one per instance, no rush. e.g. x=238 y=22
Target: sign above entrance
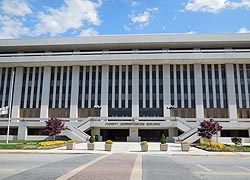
x=131 y=124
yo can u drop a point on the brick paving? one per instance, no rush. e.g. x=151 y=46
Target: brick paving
x=113 y=167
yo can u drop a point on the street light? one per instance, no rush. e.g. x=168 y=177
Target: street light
x=98 y=107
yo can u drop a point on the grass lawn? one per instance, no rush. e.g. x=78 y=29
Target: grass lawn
x=19 y=144
x=22 y=144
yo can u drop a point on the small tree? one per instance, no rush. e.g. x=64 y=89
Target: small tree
x=208 y=128
x=54 y=127
x=92 y=139
x=163 y=139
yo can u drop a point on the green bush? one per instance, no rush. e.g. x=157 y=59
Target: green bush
x=92 y=139
x=236 y=140
x=163 y=139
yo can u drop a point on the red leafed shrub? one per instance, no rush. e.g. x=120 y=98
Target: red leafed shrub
x=54 y=126
x=208 y=128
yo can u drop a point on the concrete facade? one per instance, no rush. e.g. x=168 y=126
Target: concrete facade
x=127 y=83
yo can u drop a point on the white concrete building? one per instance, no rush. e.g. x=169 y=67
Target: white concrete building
x=121 y=87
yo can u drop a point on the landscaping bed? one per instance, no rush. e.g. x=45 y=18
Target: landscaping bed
x=15 y=144
x=218 y=147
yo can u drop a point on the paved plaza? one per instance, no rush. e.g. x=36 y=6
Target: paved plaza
x=124 y=162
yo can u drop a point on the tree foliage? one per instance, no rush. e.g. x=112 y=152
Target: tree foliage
x=163 y=139
x=208 y=128
x=92 y=139
x=54 y=126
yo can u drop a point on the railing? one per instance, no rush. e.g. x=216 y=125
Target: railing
x=86 y=53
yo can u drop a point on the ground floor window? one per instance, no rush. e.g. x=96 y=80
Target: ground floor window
x=152 y=135
x=234 y=133
x=115 y=134
x=13 y=131
x=37 y=131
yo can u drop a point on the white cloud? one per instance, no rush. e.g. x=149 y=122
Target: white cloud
x=16 y=7
x=244 y=30
x=144 y=18
x=205 y=5
x=214 y=6
x=72 y=15
x=88 y=32
x=11 y=28
x=135 y=3
x=241 y=4
x=190 y=32
x=126 y=28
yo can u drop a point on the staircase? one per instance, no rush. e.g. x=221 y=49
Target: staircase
x=190 y=134
x=75 y=133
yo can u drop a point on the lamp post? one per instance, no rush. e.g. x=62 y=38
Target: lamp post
x=99 y=108
x=171 y=107
x=10 y=106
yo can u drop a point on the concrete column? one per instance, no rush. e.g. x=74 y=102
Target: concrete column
x=150 y=87
x=104 y=89
x=144 y=86
x=221 y=87
x=246 y=86
x=67 y=88
x=54 y=88
x=83 y=86
x=97 y=132
x=126 y=88
x=135 y=91
x=90 y=87
x=166 y=89
x=74 y=93
x=45 y=93
x=207 y=87
x=231 y=96
x=38 y=87
x=32 y=87
x=60 y=88
x=133 y=135
x=113 y=87
x=120 y=88
x=157 y=87
x=96 y=85
x=5 y=87
x=198 y=91
x=175 y=87
x=213 y=86
x=182 y=86
x=239 y=85
x=172 y=132
x=189 y=87
x=26 y=88
x=17 y=92
x=22 y=131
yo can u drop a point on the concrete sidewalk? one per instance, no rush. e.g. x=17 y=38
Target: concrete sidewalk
x=131 y=148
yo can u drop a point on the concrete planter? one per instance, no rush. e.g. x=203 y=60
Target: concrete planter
x=108 y=147
x=185 y=147
x=163 y=147
x=91 y=146
x=144 y=147
x=70 y=146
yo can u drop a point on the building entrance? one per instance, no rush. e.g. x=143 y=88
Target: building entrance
x=152 y=135
x=115 y=134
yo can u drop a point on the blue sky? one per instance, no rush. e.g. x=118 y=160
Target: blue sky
x=70 y=18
